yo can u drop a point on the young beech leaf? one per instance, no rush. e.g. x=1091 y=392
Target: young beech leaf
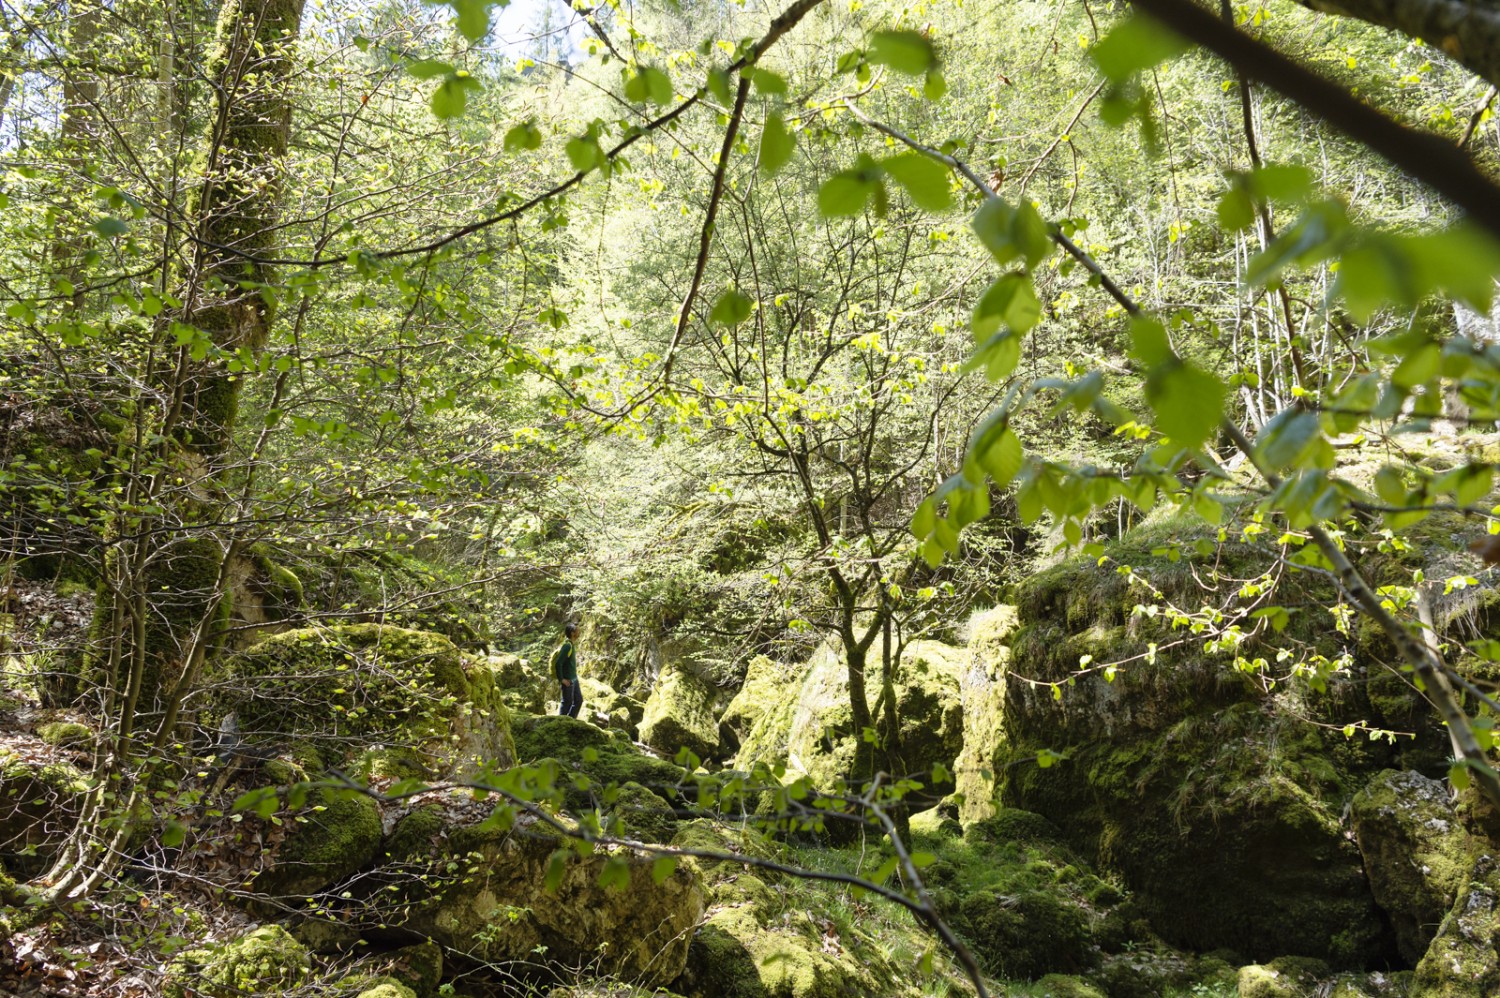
x=904 y=51
x=522 y=137
x=776 y=144
x=1001 y=456
x=662 y=867
x=1284 y=439
x=1188 y=401
x=1138 y=44
x=732 y=308
x=1010 y=301
x=473 y=18
x=923 y=177
x=846 y=193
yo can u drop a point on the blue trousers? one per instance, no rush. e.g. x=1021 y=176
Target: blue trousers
x=572 y=699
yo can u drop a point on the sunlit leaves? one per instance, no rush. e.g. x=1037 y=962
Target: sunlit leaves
x=1285 y=438
x=648 y=83
x=904 y=51
x=850 y=191
x=777 y=144
x=732 y=308
x=1011 y=233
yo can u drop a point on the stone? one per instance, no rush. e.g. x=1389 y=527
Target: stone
x=380 y=686
x=335 y=836
x=643 y=815
x=39 y=803
x=1416 y=853
x=679 y=715
x=266 y=960
x=496 y=906
x=981 y=690
x=1463 y=961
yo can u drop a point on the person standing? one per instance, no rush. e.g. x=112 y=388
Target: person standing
x=565 y=667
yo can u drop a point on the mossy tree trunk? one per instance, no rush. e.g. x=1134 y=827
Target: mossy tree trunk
x=165 y=600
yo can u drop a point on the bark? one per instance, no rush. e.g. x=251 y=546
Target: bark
x=238 y=204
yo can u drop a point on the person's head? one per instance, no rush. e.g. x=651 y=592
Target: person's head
x=570 y=630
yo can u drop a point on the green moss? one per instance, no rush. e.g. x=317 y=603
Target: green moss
x=374 y=683
x=280 y=589
x=388 y=989
x=733 y=956
x=679 y=715
x=1011 y=824
x=1066 y=986
x=267 y=960
x=415 y=834
x=418 y=967
x=66 y=734
x=337 y=835
x=1027 y=934
x=1286 y=977
x=593 y=752
x=703 y=835
x=643 y=815
x=38 y=806
x=1463 y=960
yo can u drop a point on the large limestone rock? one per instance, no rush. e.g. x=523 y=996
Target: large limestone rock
x=758 y=720
x=1415 y=851
x=1463 y=960
x=374 y=684
x=806 y=718
x=335 y=836
x=600 y=758
x=982 y=692
x=484 y=893
x=679 y=714
x=1220 y=807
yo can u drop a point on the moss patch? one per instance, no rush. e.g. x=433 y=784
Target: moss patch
x=335 y=836
x=267 y=960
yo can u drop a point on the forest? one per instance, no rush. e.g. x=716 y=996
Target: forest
x=749 y=498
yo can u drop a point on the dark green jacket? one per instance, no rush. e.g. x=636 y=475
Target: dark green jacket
x=565 y=662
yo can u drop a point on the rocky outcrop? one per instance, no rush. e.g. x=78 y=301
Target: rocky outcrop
x=40 y=799
x=1415 y=851
x=1463 y=960
x=806 y=719
x=601 y=758
x=1220 y=807
x=679 y=714
x=982 y=693
x=485 y=892
x=384 y=686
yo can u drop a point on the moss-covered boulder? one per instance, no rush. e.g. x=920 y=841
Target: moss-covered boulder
x=643 y=815
x=373 y=685
x=609 y=708
x=66 y=734
x=679 y=714
x=521 y=685
x=333 y=837
x=265 y=961
x=1463 y=960
x=39 y=803
x=1066 y=986
x=601 y=756
x=1286 y=977
x=765 y=692
x=388 y=989
x=806 y=720
x=484 y=892
x=982 y=693
x=1415 y=852
x=1219 y=800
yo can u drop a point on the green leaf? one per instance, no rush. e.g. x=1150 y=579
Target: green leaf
x=776 y=144
x=452 y=95
x=662 y=867
x=1188 y=402
x=584 y=153
x=174 y=834
x=1284 y=439
x=934 y=87
x=109 y=227
x=767 y=83
x=1138 y=44
x=923 y=177
x=924 y=519
x=1001 y=456
x=473 y=18
x=998 y=355
x=732 y=308
x=428 y=69
x=1420 y=366
x=1010 y=301
x=1148 y=340
x=615 y=874
x=1009 y=232
x=1236 y=209
x=904 y=51
x=1390 y=486
x=649 y=83
x=557 y=868
x=845 y=193
x=523 y=137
